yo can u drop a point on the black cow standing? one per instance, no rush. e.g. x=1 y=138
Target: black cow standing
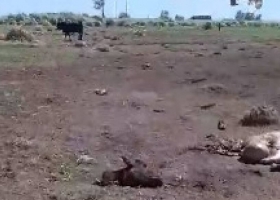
x=71 y=27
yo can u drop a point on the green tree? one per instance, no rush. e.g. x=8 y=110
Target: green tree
x=179 y=18
x=123 y=15
x=100 y=5
x=164 y=14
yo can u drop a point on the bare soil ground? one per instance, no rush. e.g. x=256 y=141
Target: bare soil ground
x=51 y=114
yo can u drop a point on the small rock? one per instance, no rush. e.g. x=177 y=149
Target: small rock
x=80 y=43
x=198 y=55
x=170 y=67
x=207 y=106
x=221 y=125
x=101 y=92
x=197 y=80
x=224 y=46
x=165 y=45
x=217 y=53
x=85 y=159
x=103 y=48
x=158 y=110
x=114 y=38
x=147 y=65
x=52 y=197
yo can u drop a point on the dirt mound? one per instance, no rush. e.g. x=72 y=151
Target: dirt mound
x=259 y=116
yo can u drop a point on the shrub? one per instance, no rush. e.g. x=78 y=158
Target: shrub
x=13 y=22
x=90 y=24
x=161 y=24
x=186 y=24
x=19 y=34
x=150 y=23
x=123 y=15
x=179 y=18
x=259 y=116
x=256 y=24
x=97 y=18
x=50 y=28
x=46 y=23
x=38 y=28
x=110 y=22
x=143 y=23
x=171 y=24
x=207 y=26
x=52 y=21
x=28 y=23
x=122 y=23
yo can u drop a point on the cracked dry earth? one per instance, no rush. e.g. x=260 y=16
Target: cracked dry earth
x=50 y=116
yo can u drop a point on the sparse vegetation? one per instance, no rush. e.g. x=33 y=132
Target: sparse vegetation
x=133 y=90
x=19 y=34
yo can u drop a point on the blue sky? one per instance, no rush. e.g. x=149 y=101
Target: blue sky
x=140 y=8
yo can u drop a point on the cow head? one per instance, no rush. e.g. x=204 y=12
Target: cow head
x=60 y=25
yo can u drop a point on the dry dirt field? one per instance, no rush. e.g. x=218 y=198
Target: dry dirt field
x=50 y=113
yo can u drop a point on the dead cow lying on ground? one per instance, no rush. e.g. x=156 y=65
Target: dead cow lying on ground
x=262 y=149
x=133 y=175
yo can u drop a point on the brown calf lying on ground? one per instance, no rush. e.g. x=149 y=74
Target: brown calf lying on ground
x=133 y=175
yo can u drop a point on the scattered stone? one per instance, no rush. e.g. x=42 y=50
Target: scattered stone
x=221 y=125
x=165 y=45
x=159 y=110
x=120 y=67
x=115 y=38
x=103 y=48
x=225 y=147
x=217 y=53
x=101 y=92
x=258 y=55
x=207 y=106
x=197 y=80
x=139 y=54
x=170 y=67
x=215 y=88
x=52 y=197
x=224 y=46
x=80 y=43
x=259 y=116
x=85 y=159
x=147 y=65
x=198 y=55
x=241 y=49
